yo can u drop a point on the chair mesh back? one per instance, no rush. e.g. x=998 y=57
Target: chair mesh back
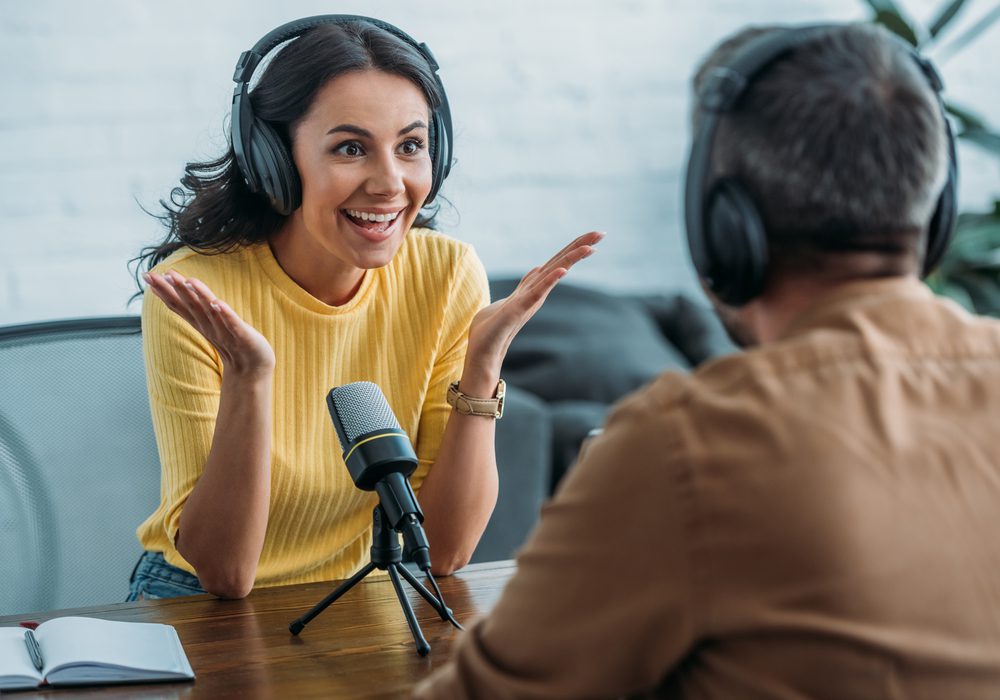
x=78 y=463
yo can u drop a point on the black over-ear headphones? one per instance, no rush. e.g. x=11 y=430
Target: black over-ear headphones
x=724 y=226
x=262 y=156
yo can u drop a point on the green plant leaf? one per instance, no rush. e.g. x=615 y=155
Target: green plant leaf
x=967 y=119
x=984 y=139
x=945 y=17
x=956 y=293
x=883 y=6
x=983 y=289
x=975 y=250
x=974 y=129
x=969 y=35
x=897 y=24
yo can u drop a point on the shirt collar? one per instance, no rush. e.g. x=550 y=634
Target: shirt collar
x=855 y=296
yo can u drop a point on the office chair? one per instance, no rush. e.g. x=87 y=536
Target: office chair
x=78 y=463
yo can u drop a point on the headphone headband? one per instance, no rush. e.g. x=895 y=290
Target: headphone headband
x=725 y=231
x=262 y=157
x=250 y=59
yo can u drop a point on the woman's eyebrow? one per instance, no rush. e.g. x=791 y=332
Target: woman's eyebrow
x=410 y=127
x=352 y=129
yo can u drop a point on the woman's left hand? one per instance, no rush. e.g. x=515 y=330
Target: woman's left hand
x=494 y=327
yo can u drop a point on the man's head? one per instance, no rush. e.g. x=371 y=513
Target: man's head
x=842 y=147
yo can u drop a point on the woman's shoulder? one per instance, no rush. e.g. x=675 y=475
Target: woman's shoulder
x=431 y=241
x=432 y=260
x=207 y=267
x=432 y=250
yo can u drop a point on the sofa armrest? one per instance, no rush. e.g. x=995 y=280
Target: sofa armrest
x=524 y=456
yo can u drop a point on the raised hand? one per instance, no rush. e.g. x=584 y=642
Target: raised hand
x=494 y=327
x=243 y=350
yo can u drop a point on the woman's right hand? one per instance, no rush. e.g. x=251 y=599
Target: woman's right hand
x=244 y=351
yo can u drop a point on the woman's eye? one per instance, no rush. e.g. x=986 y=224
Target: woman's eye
x=351 y=149
x=411 y=146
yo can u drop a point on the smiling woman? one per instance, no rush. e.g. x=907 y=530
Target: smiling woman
x=300 y=260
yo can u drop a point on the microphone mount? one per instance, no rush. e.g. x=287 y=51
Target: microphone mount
x=387 y=555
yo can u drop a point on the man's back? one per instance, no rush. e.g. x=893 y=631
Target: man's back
x=813 y=519
x=847 y=479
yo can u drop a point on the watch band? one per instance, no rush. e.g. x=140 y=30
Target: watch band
x=471 y=406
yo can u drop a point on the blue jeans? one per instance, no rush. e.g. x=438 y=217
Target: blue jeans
x=154 y=578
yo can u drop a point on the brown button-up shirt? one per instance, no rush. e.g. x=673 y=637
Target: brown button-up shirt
x=816 y=518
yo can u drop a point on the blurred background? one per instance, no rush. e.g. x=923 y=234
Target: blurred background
x=570 y=115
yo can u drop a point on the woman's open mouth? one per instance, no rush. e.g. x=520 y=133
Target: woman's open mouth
x=374 y=226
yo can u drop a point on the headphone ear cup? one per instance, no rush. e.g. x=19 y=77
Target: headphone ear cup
x=438 y=151
x=942 y=226
x=735 y=243
x=273 y=166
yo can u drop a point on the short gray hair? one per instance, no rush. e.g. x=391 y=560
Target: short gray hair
x=841 y=142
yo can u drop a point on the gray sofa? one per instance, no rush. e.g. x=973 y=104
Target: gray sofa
x=583 y=350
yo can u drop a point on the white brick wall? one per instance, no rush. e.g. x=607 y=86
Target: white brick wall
x=570 y=116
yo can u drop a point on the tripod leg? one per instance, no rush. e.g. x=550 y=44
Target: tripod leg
x=438 y=605
x=418 y=636
x=296 y=626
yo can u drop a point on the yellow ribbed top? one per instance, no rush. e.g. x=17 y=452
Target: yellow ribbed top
x=406 y=329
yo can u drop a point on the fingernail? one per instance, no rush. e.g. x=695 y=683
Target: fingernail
x=146 y=277
x=215 y=306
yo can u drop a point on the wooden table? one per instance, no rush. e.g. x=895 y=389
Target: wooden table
x=359 y=647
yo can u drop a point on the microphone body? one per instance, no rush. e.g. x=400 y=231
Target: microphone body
x=380 y=457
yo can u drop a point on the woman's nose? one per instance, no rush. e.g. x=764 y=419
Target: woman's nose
x=385 y=178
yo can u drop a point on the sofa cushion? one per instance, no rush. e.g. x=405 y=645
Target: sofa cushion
x=692 y=326
x=571 y=423
x=524 y=456
x=587 y=345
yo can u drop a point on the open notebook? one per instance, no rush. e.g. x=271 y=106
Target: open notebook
x=86 y=651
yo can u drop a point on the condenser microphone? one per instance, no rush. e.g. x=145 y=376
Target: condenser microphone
x=380 y=457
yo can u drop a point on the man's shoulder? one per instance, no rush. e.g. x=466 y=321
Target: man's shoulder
x=655 y=408
x=784 y=395
x=728 y=401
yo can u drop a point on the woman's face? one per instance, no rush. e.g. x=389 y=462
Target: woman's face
x=362 y=155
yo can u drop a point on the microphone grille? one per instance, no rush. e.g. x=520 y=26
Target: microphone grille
x=361 y=408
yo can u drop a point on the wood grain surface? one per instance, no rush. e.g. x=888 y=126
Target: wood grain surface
x=359 y=647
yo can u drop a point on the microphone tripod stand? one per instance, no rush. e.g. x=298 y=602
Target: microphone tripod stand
x=386 y=554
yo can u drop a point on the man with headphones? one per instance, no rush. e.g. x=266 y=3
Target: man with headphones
x=815 y=517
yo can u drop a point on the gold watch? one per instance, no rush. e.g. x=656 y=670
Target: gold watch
x=471 y=406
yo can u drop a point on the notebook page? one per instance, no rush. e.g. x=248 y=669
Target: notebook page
x=16 y=669
x=68 y=641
